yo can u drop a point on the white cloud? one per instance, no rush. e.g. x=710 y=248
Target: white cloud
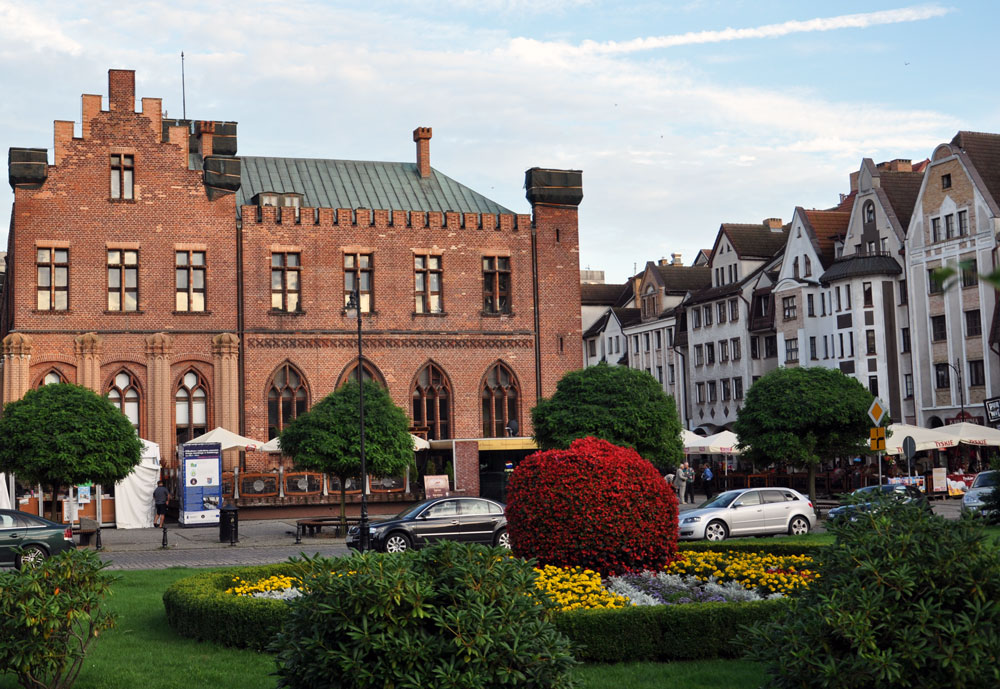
x=20 y=26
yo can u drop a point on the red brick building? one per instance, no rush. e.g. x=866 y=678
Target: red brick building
x=200 y=289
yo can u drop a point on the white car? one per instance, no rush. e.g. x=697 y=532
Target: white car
x=749 y=512
x=986 y=481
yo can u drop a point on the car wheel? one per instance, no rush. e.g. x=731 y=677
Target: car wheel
x=799 y=526
x=716 y=531
x=396 y=543
x=31 y=557
x=502 y=539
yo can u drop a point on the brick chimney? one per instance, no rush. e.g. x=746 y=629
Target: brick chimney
x=121 y=90
x=676 y=259
x=422 y=135
x=773 y=223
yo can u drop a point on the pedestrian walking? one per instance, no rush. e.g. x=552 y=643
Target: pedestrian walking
x=161 y=496
x=708 y=481
x=680 y=482
x=689 y=491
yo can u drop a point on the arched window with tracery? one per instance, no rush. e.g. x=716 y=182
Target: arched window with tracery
x=51 y=378
x=191 y=406
x=287 y=397
x=500 y=402
x=124 y=394
x=369 y=371
x=432 y=402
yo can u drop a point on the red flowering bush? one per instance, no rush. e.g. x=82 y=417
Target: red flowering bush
x=595 y=505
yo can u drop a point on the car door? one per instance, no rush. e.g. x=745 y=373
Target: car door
x=440 y=521
x=11 y=536
x=479 y=521
x=777 y=510
x=746 y=516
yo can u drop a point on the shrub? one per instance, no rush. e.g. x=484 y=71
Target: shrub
x=595 y=506
x=663 y=632
x=199 y=607
x=905 y=599
x=450 y=616
x=49 y=615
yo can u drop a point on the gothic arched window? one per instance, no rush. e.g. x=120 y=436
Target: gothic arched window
x=432 y=402
x=287 y=397
x=500 y=402
x=51 y=377
x=124 y=394
x=191 y=406
x=368 y=372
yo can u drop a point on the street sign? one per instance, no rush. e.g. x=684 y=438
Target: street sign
x=877 y=439
x=876 y=412
x=909 y=448
x=992 y=409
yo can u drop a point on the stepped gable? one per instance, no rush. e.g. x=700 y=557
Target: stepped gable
x=983 y=150
x=360 y=184
x=826 y=226
x=601 y=295
x=759 y=240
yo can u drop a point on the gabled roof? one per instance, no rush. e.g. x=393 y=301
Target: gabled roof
x=598 y=326
x=901 y=191
x=359 y=184
x=824 y=227
x=627 y=317
x=984 y=152
x=858 y=265
x=601 y=295
x=755 y=241
x=703 y=257
x=683 y=279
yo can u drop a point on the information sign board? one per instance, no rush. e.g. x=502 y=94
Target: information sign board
x=201 y=483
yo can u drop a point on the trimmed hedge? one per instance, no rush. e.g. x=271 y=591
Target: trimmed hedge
x=198 y=607
x=786 y=546
x=663 y=632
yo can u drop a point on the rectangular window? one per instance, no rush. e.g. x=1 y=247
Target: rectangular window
x=52 y=270
x=721 y=312
x=970 y=272
x=812 y=348
x=847 y=297
x=792 y=349
x=810 y=306
x=645 y=340
x=903 y=298
x=734 y=346
x=822 y=303
x=738 y=388
x=427 y=285
x=908 y=385
x=659 y=374
x=826 y=348
x=659 y=339
x=946 y=181
x=939 y=330
x=723 y=350
x=734 y=310
x=123 y=280
x=708 y=315
x=700 y=392
x=710 y=354
x=670 y=337
x=618 y=344
x=754 y=347
x=696 y=317
x=496 y=284
x=122 y=177
x=870 y=342
x=866 y=291
x=189 y=270
x=712 y=392
x=850 y=340
x=838 y=299
x=788 y=305
x=973 y=323
x=934 y=286
x=840 y=342
x=699 y=356
x=592 y=347
x=724 y=384
x=770 y=346
x=977 y=373
x=635 y=344
x=873 y=385
x=670 y=372
x=935 y=229
x=285 y=281
x=904 y=340
x=941 y=376
x=359 y=274
x=963 y=223
x=949 y=226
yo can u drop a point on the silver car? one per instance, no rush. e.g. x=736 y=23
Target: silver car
x=972 y=502
x=749 y=512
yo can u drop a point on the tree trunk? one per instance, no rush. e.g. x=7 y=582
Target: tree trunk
x=343 y=504
x=812 y=482
x=54 y=507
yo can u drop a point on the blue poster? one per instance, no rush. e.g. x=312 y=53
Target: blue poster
x=201 y=483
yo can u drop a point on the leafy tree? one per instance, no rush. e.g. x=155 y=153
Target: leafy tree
x=803 y=416
x=62 y=434
x=615 y=403
x=327 y=438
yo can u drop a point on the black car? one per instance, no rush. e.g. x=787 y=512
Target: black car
x=36 y=538
x=861 y=500
x=467 y=520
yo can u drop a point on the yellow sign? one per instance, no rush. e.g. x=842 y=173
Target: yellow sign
x=877 y=411
x=877 y=439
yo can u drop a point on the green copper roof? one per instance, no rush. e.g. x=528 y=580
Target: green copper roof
x=359 y=184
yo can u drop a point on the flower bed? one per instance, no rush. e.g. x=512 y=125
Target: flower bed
x=763 y=572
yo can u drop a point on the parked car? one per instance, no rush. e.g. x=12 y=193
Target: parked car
x=985 y=481
x=37 y=538
x=749 y=512
x=862 y=500
x=467 y=520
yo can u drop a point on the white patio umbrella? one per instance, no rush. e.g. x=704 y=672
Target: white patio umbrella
x=722 y=443
x=227 y=439
x=923 y=438
x=690 y=438
x=971 y=434
x=273 y=445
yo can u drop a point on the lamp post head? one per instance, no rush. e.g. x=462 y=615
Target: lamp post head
x=353 y=306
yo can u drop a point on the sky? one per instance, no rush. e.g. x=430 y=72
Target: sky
x=681 y=114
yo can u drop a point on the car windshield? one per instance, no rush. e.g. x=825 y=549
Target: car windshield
x=987 y=479
x=723 y=499
x=408 y=511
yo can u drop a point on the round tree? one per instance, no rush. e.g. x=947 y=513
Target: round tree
x=621 y=405
x=327 y=438
x=594 y=505
x=803 y=416
x=62 y=435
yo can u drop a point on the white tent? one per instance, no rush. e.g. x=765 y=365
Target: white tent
x=134 y=494
x=923 y=438
x=971 y=434
x=273 y=445
x=227 y=439
x=4 y=493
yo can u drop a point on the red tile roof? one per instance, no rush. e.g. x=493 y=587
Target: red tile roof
x=826 y=226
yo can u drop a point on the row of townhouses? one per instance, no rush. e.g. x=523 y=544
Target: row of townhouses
x=856 y=287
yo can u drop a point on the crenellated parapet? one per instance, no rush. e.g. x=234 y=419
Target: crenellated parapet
x=362 y=218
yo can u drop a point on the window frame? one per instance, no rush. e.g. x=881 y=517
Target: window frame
x=438 y=389
x=423 y=299
x=939 y=328
x=122 y=268
x=122 y=169
x=508 y=395
x=978 y=330
x=791 y=350
x=977 y=373
x=494 y=268
x=190 y=269
x=354 y=276
x=52 y=265
x=201 y=383
x=942 y=377
x=299 y=393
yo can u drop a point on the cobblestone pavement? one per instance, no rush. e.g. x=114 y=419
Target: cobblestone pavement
x=222 y=555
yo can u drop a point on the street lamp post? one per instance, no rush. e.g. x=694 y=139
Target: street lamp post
x=961 y=390
x=355 y=303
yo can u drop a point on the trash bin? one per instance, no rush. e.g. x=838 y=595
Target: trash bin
x=229 y=523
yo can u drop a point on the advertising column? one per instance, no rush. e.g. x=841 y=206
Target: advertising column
x=201 y=483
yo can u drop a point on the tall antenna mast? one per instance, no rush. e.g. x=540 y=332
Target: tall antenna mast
x=184 y=105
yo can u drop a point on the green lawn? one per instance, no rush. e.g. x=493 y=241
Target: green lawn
x=143 y=652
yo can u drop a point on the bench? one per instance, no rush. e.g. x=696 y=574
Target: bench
x=87 y=528
x=314 y=525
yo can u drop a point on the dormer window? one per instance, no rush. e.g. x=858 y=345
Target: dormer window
x=649 y=303
x=268 y=199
